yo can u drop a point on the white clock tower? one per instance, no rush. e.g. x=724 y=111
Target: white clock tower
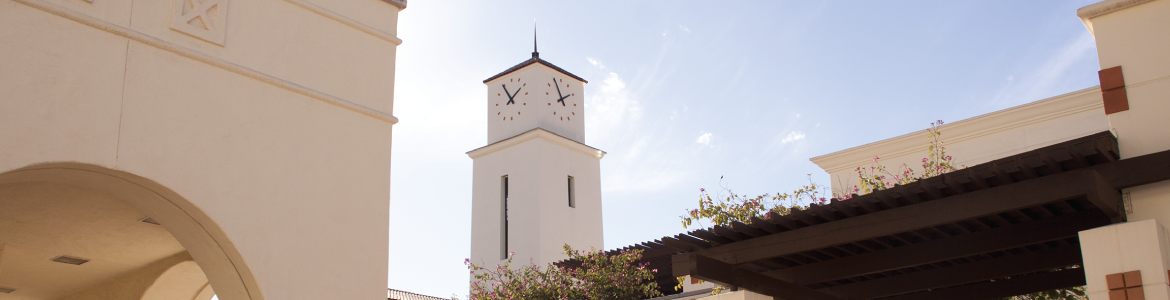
x=536 y=185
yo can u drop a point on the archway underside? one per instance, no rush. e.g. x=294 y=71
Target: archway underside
x=75 y=231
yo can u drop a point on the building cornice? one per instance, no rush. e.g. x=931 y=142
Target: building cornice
x=1102 y=8
x=152 y=41
x=536 y=133
x=964 y=130
x=401 y=4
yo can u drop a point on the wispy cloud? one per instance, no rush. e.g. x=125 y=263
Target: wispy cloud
x=614 y=115
x=684 y=28
x=1046 y=79
x=792 y=137
x=704 y=139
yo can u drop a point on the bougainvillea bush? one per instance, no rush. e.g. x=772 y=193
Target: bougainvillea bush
x=585 y=275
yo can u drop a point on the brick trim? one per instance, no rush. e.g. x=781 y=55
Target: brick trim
x=1125 y=286
x=1113 y=90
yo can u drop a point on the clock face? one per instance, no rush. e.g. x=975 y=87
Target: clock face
x=566 y=99
x=513 y=94
x=506 y=107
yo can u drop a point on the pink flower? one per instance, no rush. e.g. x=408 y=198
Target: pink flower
x=923 y=159
x=940 y=122
x=875 y=159
x=702 y=190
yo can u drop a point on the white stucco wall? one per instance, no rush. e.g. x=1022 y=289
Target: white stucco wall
x=979 y=139
x=540 y=219
x=281 y=134
x=1137 y=38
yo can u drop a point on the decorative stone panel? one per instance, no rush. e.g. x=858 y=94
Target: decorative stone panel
x=203 y=19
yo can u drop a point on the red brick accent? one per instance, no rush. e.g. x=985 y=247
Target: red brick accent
x=1135 y=293
x=1117 y=295
x=1133 y=278
x=1113 y=90
x=1115 y=101
x=1115 y=281
x=1126 y=286
x=1111 y=78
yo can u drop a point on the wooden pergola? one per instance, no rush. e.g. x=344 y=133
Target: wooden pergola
x=1002 y=228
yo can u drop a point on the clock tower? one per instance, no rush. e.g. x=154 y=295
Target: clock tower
x=536 y=184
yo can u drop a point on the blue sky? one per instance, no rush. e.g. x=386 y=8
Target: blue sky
x=683 y=92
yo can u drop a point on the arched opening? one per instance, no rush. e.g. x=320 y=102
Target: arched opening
x=78 y=231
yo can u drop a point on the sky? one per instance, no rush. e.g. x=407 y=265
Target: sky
x=686 y=95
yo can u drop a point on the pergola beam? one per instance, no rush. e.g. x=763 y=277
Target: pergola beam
x=960 y=274
x=1004 y=288
x=1135 y=171
x=943 y=249
x=994 y=200
x=705 y=268
x=1102 y=194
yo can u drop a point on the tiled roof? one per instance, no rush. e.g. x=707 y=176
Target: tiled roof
x=534 y=60
x=393 y=294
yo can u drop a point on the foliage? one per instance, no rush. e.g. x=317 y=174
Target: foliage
x=725 y=210
x=1073 y=293
x=599 y=276
x=879 y=177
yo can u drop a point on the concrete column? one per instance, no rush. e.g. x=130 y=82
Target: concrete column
x=1113 y=253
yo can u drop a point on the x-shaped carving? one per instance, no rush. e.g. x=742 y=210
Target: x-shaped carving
x=199 y=10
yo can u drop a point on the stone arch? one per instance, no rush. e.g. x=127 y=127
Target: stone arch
x=181 y=281
x=206 y=243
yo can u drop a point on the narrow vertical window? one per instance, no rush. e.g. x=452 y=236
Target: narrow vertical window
x=572 y=199
x=504 y=218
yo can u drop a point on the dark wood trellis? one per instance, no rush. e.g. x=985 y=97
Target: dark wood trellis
x=997 y=229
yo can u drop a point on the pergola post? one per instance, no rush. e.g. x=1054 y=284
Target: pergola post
x=1127 y=261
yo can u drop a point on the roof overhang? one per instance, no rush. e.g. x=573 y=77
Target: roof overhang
x=536 y=133
x=534 y=61
x=1102 y=8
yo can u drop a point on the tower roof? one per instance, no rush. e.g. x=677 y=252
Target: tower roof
x=534 y=60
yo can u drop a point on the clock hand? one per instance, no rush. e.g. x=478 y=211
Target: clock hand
x=510 y=96
x=562 y=99
x=558 y=88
